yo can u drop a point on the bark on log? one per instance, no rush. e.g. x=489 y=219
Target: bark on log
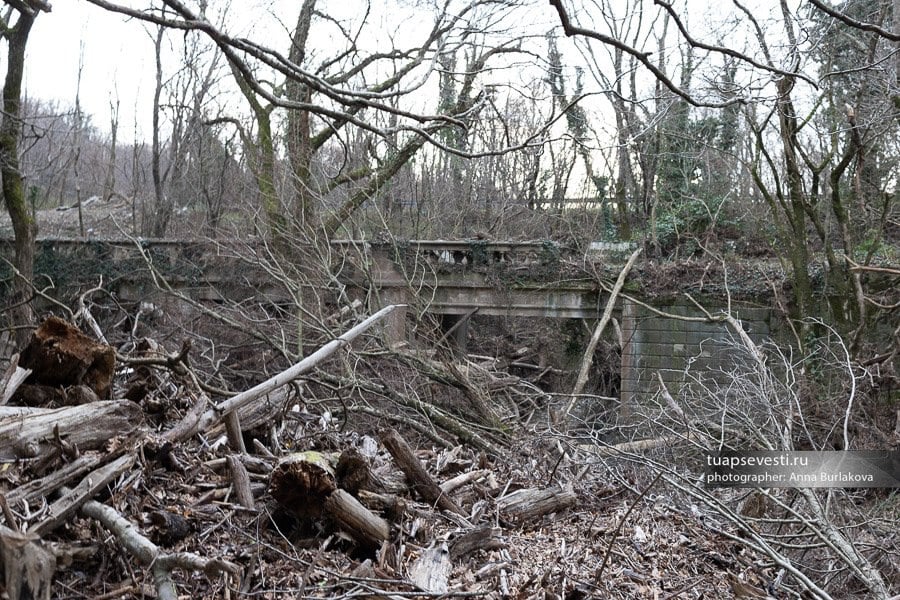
x=480 y=538
x=11 y=379
x=48 y=395
x=527 y=504
x=48 y=484
x=234 y=433
x=304 y=483
x=352 y=472
x=393 y=507
x=355 y=519
x=454 y=483
x=264 y=411
x=419 y=479
x=59 y=354
x=28 y=432
x=240 y=481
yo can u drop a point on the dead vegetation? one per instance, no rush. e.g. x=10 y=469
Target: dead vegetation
x=121 y=498
x=309 y=491
x=225 y=453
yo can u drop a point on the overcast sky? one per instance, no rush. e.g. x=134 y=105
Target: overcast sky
x=117 y=56
x=118 y=52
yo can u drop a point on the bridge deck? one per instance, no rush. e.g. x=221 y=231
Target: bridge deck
x=442 y=276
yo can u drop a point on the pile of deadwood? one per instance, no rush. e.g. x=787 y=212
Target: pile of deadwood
x=73 y=457
x=114 y=498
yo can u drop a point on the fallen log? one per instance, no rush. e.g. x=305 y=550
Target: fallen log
x=11 y=379
x=480 y=538
x=419 y=479
x=462 y=479
x=30 y=432
x=431 y=571
x=240 y=482
x=357 y=520
x=51 y=482
x=212 y=416
x=73 y=499
x=390 y=505
x=531 y=503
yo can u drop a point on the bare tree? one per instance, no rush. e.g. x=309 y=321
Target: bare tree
x=183 y=97
x=803 y=164
x=325 y=96
x=16 y=36
x=109 y=181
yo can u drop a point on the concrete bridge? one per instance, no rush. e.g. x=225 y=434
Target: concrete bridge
x=451 y=279
x=455 y=279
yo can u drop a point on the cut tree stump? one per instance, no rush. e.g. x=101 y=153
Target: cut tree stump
x=527 y=504
x=304 y=484
x=60 y=355
x=301 y=482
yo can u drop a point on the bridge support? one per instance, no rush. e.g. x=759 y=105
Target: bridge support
x=394 y=325
x=455 y=329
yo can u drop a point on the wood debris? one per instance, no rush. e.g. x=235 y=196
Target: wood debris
x=162 y=496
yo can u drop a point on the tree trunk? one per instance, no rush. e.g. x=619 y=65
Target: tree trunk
x=262 y=154
x=527 y=504
x=298 y=130
x=24 y=227
x=159 y=221
x=796 y=212
x=41 y=432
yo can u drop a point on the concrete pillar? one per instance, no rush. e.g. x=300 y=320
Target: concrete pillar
x=631 y=353
x=394 y=325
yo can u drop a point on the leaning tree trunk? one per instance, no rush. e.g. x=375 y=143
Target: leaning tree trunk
x=798 y=245
x=24 y=228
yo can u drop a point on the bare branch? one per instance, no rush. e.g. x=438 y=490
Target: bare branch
x=642 y=57
x=728 y=51
x=890 y=35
